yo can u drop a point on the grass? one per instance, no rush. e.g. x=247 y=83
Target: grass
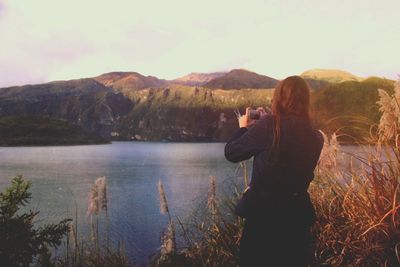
x=358 y=219
x=359 y=222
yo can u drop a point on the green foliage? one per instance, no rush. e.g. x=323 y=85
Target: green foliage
x=20 y=242
x=349 y=108
x=33 y=130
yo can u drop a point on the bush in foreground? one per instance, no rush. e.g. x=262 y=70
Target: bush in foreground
x=20 y=242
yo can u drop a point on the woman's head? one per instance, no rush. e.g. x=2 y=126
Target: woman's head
x=292 y=97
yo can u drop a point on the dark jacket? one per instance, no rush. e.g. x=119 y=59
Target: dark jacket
x=280 y=185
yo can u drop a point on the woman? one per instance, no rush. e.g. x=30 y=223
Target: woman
x=277 y=206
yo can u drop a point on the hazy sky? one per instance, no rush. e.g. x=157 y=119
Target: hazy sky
x=44 y=40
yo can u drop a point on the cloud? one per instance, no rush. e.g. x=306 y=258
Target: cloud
x=45 y=40
x=2 y=8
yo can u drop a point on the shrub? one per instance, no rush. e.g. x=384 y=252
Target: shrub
x=20 y=242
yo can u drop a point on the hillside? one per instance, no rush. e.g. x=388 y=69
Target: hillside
x=180 y=113
x=239 y=79
x=184 y=113
x=28 y=131
x=330 y=75
x=84 y=102
x=349 y=107
x=197 y=79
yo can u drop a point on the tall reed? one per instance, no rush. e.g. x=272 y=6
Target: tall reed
x=83 y=252
x=168 y=238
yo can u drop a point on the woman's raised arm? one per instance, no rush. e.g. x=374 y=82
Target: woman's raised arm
x=246 y=143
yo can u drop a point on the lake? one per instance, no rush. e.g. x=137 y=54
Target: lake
x=62 y=176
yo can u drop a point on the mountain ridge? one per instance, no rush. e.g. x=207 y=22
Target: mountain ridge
x=197 y=78
x=170 y=112
x=131 y=80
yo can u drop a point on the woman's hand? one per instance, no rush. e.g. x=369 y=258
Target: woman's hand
x=244 y=120
x=262 y=111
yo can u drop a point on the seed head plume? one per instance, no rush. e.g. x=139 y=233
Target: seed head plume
x=98 y=196
x=93 y=207
x=163 y=198
x=102 y=192
x=329 y=152
x=168 y=240
x=212 y=200
x=389 y=105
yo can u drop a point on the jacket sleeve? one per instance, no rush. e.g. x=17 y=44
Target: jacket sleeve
x=246 y=143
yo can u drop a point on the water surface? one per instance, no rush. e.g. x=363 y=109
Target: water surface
x=62 y=175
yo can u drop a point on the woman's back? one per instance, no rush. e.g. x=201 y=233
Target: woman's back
x=290 y=168
x=277 y=207
x=279 y=216
x=281 y=178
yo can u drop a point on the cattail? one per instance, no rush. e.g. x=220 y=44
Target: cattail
x=328 y=158
x=212 y=200
x=93 y=207
x=389 y=124
x=98 y=196
x=102 y=192
x=163 y=198
x=397 y=99
x=168 y=240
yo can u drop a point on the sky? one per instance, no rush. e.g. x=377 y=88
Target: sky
x=46 y=40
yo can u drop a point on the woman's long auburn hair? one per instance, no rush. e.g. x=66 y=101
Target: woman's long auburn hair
x=291 y=97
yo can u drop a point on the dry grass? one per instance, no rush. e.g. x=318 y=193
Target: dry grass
x=358 y=218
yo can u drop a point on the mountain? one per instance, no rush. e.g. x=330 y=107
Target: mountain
x=239 y=79
x=197 y=79
x=330 y=75
x=84 y=102
x=172 y=113
x=128 y=81
x=83 y=110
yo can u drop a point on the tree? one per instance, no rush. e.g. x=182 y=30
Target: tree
x=20 y=242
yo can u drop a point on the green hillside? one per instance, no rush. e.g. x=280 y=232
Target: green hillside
x=27 y=131
x=84 y=102
x=182 y=113
x=177 y=112
x=349 y=107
